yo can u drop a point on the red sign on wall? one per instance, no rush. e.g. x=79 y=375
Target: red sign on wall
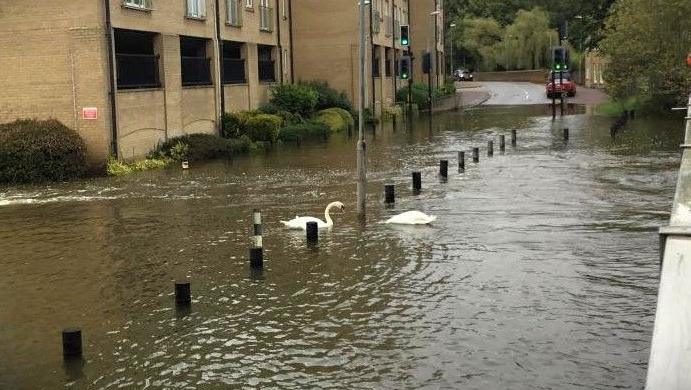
x=90 y=113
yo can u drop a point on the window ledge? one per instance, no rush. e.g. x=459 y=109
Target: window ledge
x=267 y=82
x=135 y=8
x=266 y=30
x=245 y=84
x=135 y=89
x=197 y=18
x=198 y=86
x=229 y=24
x=249 y=9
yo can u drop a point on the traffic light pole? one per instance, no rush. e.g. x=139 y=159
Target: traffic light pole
x=361 y=146
x=561 y=78
x=554 y=102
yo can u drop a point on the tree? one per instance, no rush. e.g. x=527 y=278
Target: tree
x=647 y=42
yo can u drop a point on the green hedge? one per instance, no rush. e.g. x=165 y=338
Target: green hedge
x=197 y=147
x=294 y=98
x=304 y=131
x=40 y=150
x=263 y=127
x=328 y=97
x=337 y=119
x=420 y=95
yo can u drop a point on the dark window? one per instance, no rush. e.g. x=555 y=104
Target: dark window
x=195 y=65
x=136 y=62
x=233 y=63
x=267 y=69
x=387 y=63
x=376 y=63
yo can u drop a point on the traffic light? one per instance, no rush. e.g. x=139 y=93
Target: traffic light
x=405 y=35
x=404 y=67
x=560 y=58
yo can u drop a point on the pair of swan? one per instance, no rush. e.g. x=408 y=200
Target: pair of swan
x=407 y=218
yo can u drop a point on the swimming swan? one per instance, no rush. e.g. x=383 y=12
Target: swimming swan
x=301 y=222
x=412 y=218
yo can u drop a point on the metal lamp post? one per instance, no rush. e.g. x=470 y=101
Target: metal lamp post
x=361 y=146
x=453 y=35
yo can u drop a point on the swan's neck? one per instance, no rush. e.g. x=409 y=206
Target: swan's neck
x=327 y=217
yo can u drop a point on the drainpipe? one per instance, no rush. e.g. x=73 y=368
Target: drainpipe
x=112 y=82
x=395 y=61
x=436 y=45
x=278 y=39
x=219 y=61
x=371 y=38
x=292 y=48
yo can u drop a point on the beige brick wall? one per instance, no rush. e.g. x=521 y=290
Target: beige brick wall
x=53 y=62
x=422 y=38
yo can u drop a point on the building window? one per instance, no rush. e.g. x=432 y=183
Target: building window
x=387 y=62
x=233 y=63
x=285 y=9
x=139 y=4
x=196 y=9
x=234 y=13
x=195 y=65
x=376 y=63
x=266 y=20
x=136 y=61
x=249 y=4
x=267 y=65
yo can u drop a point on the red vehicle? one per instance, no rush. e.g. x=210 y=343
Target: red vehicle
x=566 y=85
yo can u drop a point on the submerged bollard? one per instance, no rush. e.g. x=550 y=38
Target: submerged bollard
x=490 y=148
x=389 y=194
x=72 y=342
x=312 y=233
x=476 y=155
x=513 y=138
x=417 y=181
x=257 y=248
x=444 y=168
x=502 y=143
x=461 y=160
x=183 y=293
x=566 y=134
x=632 y=114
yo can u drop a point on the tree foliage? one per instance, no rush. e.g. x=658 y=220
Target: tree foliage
x=647 y=42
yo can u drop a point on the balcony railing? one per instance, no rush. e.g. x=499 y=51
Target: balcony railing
x=266 y=20
x=267 y=71
x=196 y=71
x=376 y=22
x=137 y=71
x=234 y=71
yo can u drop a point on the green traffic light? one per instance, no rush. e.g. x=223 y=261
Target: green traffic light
x=404 y=42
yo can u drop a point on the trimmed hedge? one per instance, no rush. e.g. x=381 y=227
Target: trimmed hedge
x=263 y=127
x=303 y=131
x=40 y=150
x=201 y=147
x=337 y=119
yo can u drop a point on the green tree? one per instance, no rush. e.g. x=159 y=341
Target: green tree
x=647 y=42
x=478 y=38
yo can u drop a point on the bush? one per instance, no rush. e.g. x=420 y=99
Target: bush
x=304 y=131
x=369 y=117
x=201 y=147
x=337 y=119
x=232 y=125
x=34 y=150
x=420 y=95
x=294 y=98
x=328 y=97
x=117 y=168
x=263 y=127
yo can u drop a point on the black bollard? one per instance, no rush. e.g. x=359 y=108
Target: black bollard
x=444 y=168
x=257 y=248
x=417 y=181
x=566 y=134
x=389 y=194
x=461 y=160
x=502 y=143
x=513 y=138
x=490 y=148
x=72 y=342
x=632 y=114
x=476 y=155
x=312 y=233
x=183 y=293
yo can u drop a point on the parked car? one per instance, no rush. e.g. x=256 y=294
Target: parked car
x=463 y=75
x=563 y=84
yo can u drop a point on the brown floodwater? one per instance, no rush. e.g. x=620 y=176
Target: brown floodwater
x=541 y=271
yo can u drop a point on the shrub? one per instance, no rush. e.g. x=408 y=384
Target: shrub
x=304 y=131
x=337 y=119
x=232 y=125
x=369 y=117
x=294 y=98
x=420 y=95
x=392 y=112
x=118 y=168
x=263 y=127
x=328 y=97
x=201 y=147
x=35 y=150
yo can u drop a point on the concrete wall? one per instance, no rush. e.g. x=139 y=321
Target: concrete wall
x=530 y=76
x=59 y=67
x=422 y=37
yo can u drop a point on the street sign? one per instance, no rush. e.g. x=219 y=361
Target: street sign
x=90 y=113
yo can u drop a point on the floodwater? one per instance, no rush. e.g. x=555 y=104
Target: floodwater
x=540 y=273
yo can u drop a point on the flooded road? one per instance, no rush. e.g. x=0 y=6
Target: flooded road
x=540 y=273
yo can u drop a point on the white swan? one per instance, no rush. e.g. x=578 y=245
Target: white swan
x=301 y=222
x=412 y=218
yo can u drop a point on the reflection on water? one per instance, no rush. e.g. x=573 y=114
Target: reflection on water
x=541 y=271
